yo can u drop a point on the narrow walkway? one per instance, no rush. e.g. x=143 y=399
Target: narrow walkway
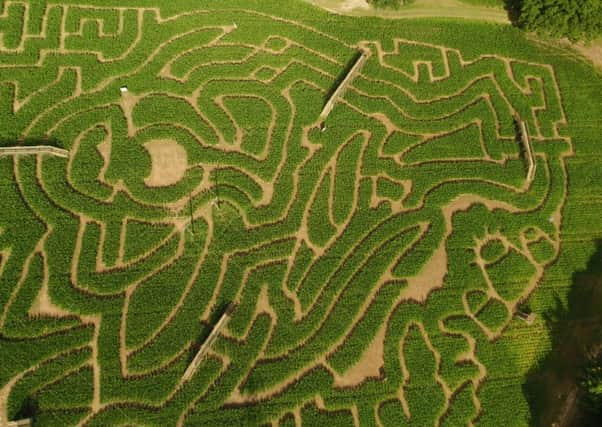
x=37 y=149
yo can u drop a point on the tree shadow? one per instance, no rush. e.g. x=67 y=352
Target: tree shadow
x=29 y=408
x=513 y=7
x=575 y=328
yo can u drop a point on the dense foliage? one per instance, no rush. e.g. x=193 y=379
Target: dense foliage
x=591 y=383
x=575 y=19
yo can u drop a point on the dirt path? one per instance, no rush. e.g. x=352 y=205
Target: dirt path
x=263 y=304
x=592 y=51
x=4 y=394
x=127 y=104
x=419 y=9
x=430 y=277
x=369 y=365
x=568 y=410
x=42 y=304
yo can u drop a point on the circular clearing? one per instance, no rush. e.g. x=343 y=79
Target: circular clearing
x=169 y=162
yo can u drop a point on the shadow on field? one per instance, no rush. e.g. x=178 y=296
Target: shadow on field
x=205 y=331
x=30 y=142
x=28 y=409
x=551 y=387
x=513 y=8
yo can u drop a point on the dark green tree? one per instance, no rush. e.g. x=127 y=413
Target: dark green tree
x=575 y=19
x=591 y=383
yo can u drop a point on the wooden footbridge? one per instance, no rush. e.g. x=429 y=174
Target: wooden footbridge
x=192 y=368
x=338 y=92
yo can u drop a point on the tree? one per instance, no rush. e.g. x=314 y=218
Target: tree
x=591 y=383
x=575 y=19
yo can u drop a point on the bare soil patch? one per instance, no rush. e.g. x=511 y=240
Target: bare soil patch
x=354 y=4
x=368 y=366
x=4 y=392
x=592 y=51
x=430 y=277
x=417 y=9
x=43 y=305
x=104 y=149
x=263 y=303
x=127 y=103
x=169 y=162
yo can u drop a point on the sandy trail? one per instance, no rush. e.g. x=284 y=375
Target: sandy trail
x=128 y=103
x=263 y=304
x=42 y=304
x=4 y=394
x=104 y=149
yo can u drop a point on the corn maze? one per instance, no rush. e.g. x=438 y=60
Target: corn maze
x=366 y=260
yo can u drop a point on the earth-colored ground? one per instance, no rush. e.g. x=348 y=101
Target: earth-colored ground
x=591 y=50
x=417 y=9
x=169 y=163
